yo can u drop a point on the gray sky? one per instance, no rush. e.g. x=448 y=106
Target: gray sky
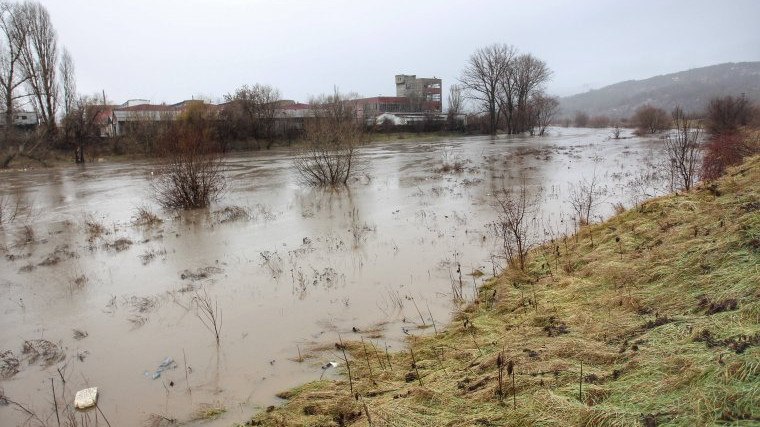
x=170 y=50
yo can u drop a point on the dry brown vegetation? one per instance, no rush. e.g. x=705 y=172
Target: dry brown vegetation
x=657 y=322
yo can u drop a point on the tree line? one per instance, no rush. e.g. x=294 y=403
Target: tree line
x=508 y=87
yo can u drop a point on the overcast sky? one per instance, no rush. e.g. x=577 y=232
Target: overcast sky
x=170 y=50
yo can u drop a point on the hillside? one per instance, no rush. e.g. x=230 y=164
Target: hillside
x=690 y=89
x=651 y=318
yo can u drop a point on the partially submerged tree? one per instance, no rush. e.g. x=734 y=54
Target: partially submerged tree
x=682 y=149
x=483 y=76
x=649 y=119
x=503 y=83
x=527 y=77
x=331 y=135
x=543 y=109
x=192 y=176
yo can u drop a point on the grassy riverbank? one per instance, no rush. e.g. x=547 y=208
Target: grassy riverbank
x=650 y=318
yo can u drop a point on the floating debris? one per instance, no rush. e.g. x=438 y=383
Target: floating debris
x=166 y=364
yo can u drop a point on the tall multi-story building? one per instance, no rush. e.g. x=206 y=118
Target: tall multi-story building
x=426 y=90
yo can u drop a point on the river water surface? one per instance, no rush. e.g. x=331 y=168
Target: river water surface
x=287 y=268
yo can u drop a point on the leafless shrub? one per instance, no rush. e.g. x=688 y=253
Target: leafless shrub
x=515 y=208
x=80 y=334
x=78 y=282
x=328 y=156
x=192 y=176
x=616 y=131
x=142 y=304
x=93 y=227
x=232 y=213
x=26 y=236
x=44 y=350
x=149 y=255
x=209 y=313
x=9 y=209
x=273 y=262
x=263 y=212
x=683 y=151
x=450 y=162
x=200 y=273
x=358 y=229
x=189 y=181
x=585 y=196
x=618 y=208
x=9 y=364
x=145 y=217
x=119 y=245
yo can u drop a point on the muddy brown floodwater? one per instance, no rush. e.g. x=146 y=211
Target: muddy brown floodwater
x=90 y=297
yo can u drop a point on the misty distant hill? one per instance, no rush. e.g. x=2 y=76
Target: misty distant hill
x=690 y=89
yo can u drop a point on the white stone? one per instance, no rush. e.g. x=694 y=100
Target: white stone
x=86 y=398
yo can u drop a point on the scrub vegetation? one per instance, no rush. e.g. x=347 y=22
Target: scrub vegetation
x=657 y=322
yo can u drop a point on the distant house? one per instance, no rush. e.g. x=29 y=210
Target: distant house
x=21 y=119
x=139 y=111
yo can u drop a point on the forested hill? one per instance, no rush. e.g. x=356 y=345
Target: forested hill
x=690 y=89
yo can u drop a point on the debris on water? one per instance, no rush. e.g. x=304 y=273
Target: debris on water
x=330 y=364
x=166 y=364
x=86 y=398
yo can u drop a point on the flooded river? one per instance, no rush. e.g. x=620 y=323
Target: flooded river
x=92 y=298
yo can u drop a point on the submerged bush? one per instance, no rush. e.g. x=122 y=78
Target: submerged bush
x=192 y=176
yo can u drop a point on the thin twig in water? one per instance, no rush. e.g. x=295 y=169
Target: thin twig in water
x=431 y=317
x=418 y=311
x=187 y=379
x=209 y=313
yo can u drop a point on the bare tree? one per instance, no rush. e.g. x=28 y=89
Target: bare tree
x=682 y=148
x=39 y=59
x=68 y=81
x=543 y=109
x=527 y=76
x=328 y=157
x=482 y=78
x=455 y=106
x=13 y=41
